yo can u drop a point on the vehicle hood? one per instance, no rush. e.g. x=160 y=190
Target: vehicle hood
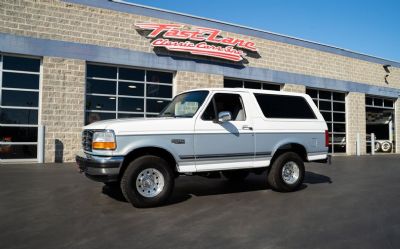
x=132 y=126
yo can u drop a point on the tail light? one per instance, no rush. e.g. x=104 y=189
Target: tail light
x=326 y=138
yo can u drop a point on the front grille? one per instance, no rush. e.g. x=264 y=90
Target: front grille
x=87 y=137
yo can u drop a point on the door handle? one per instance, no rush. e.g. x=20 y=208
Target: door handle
x=247 y=127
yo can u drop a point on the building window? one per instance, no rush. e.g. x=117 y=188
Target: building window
x=379 y=114
x=19 y=107
x=121 y=92
x=239 y=83
x=332 y=107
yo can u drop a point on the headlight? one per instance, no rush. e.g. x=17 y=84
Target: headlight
x=104 y=140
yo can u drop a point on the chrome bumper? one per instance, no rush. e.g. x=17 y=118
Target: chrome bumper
x=99 y=168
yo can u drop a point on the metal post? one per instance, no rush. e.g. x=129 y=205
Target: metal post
x=358 y=152
x=372 y=144
x=40 y=144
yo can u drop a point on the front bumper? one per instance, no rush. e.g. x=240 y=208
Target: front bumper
x=100 y=168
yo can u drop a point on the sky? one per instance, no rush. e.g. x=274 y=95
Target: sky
x=365 y=26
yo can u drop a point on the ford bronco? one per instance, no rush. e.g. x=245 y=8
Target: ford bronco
x=207 y=132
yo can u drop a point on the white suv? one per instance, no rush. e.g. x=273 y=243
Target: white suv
x=207 y=132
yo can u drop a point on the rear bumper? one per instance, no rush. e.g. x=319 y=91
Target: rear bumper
x=327 y=160
x=319 y=158
x=99 y=168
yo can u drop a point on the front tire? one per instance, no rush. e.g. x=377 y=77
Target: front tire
x=147 y=181
x=286 y=173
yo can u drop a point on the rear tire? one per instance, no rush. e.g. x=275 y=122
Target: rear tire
x=286 y=173
x=147 y=181
x=235 y=175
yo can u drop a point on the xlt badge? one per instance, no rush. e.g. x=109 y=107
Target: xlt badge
x=178 y=141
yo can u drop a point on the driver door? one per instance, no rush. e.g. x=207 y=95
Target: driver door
x=224 y=145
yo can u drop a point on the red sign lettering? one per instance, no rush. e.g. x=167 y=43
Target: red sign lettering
x=206 y=41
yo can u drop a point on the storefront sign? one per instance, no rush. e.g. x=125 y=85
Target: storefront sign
x=198 y=41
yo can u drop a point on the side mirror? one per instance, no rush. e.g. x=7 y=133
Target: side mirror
x=224 y=117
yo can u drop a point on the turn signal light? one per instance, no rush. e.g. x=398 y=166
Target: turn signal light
x=104 y=140
x=104 y=145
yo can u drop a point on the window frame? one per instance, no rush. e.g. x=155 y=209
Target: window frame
x=215 y=120
x=144 y=98
x=37 y=109
x=262 y=83
x=330 y=123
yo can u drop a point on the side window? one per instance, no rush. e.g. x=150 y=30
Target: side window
x=225 y=102
x=284 y=106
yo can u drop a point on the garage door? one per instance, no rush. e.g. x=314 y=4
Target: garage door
x=332 y=106
x=19 y=98
x=380 y=122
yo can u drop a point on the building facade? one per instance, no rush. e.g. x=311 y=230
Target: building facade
x=68 y=63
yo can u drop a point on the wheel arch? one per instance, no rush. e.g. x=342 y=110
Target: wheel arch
x=290 y=147
x=149 y=150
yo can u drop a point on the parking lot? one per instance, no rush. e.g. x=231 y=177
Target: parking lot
x=353 y=203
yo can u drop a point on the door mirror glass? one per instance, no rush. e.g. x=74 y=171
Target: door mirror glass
x=224 y=116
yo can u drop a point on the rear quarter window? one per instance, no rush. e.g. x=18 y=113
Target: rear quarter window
x=284 y=106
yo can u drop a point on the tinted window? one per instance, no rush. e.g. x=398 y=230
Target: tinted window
x=130 y=105
x=21 y=64
x=252 y=85
x=325 y=95
x=339 y=117
x=388 y=103
x=19 y=98
x=131 y=74
x=233 y=83
x=100 y=103
x=92 y=117
x=313 y=93
x=327 y=116
x=161 y=91
x=18 y=134
x=18 y=116
x=378 y=102
x=271 y=87
x=19 y=80
x=339 y=127
x=101 y=86
x=18 y=151
x=282 y=106
x=325 y=105
x=159 y=77
x=101 y=71
x=130 y=115
x=339 y=107
x=131 y=89
x=154 y=105
x=338 y=96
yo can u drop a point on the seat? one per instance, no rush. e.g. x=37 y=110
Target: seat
x=240 y=115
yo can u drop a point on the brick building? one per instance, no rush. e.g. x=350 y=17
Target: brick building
x=67 y=63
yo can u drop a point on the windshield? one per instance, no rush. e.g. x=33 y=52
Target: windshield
x=185 y=104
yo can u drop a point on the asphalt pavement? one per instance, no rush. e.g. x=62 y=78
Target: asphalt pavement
x=353 y=203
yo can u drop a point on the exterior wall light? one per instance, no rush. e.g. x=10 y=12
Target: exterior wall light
x=386 y=67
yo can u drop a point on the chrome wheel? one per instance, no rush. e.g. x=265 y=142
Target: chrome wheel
x=290 y=172
x=150 y=182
